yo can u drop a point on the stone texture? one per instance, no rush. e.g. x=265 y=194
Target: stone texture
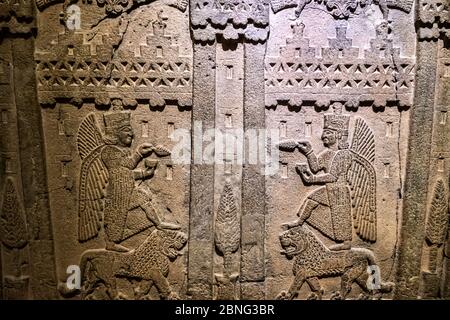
x=246 y=149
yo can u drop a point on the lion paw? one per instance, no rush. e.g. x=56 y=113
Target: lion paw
x=121 y=296
x=283 y=295
x=173 y=296
x=313 y=296
x=387 y=287
x=363 y=296
x=336 y=296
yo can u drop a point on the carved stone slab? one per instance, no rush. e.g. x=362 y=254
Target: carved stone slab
x=218 y=149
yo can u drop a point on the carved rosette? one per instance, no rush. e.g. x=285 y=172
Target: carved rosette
x=433 y=16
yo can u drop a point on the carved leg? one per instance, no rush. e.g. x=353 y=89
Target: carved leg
x=304 y=213
x=297 y=284
x=154 y=217
x=306 y=210
x=362 y=281
x=111 y=285
x=143 y=289
x=161 y=284
x=295 y=287
x=151 y=213
x=315 y=286
x=350 y=276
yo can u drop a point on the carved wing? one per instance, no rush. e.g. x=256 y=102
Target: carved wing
x=89 y=136
x=93 y=179
x=363 y=142
x=362 y=180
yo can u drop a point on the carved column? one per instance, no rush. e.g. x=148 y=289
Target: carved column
x=201 y=214
x=427 y=154
x=25 y=166
x=228 y=94
x=253 y=179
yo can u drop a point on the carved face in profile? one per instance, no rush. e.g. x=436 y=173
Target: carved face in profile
x=329 y=137
x=125 y=136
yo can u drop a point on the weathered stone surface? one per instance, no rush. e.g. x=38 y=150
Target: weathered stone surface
x=246 y=149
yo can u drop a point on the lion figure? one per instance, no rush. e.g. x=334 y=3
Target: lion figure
x=313 y=260
x=147 y=265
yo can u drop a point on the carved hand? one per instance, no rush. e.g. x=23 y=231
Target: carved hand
x=304 y=147
x=145 y=149
x=307 y=176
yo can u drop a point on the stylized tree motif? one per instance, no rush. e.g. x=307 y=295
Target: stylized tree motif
x=437 y=223
x=227 y=238
x=227 y=235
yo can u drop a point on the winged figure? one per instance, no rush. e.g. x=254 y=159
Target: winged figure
x=109 y=195
x=347 y=195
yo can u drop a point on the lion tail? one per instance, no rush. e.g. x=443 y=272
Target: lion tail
x=368 y=254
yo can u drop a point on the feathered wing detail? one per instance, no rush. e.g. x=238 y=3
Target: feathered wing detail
x=363 y=142
x=362 y=180
x=89 y=136
x=93 y=179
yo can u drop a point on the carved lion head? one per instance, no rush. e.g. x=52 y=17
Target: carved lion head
x=172 y=242
x=293 y=241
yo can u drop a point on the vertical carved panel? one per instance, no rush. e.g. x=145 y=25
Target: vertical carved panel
x=424 y=165
x=347 y=98
x=435 y=236
x=179 y=150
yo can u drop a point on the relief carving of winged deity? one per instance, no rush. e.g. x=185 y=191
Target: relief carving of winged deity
x=345 y=200
x=347 y=195
x=109 y=173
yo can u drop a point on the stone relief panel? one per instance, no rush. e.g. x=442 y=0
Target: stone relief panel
x=341 y=183
x=434 y=264
x=15 y=224
x=119 y=193
x=114 y=94
x=341 y=102
x=98 y=173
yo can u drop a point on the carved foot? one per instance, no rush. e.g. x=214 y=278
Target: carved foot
x=290 y=225
x=111 y=246
x=169 y=226
x=341 y=246
x=65 y=292
x=121 y=296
